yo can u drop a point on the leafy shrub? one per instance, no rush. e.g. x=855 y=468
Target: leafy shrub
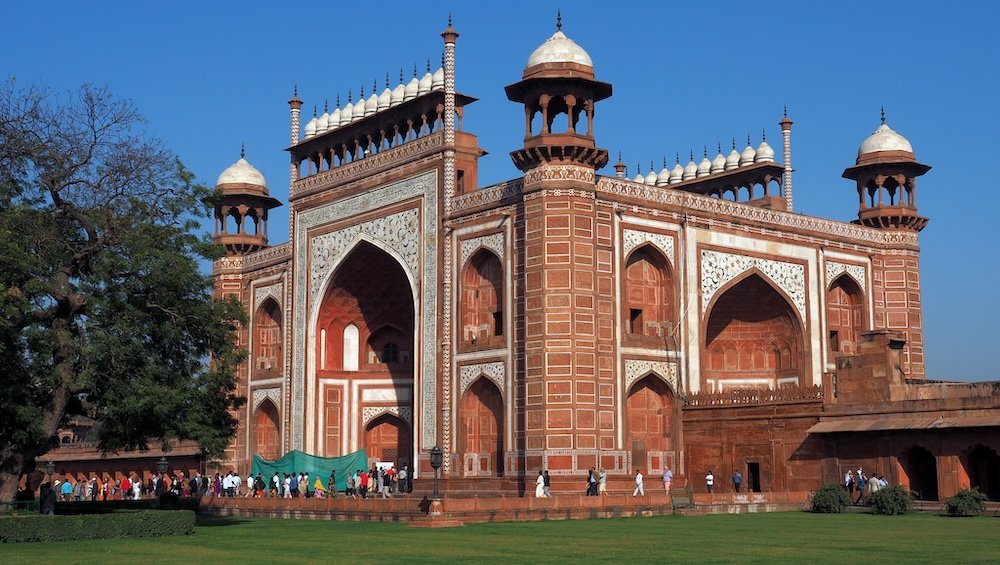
x=142 y=523
x=830 y=499
x=891 y=501
x=967 y=503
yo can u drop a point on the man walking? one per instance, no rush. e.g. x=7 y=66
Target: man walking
x=638 y=484
x=546 y=484
x=710 y=481
x=737 y=480
x=668 y=477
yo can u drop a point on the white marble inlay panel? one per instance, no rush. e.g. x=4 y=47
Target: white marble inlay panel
x=634 y=238
x=273 y=393
x=495 y=371
x=718 y=268
x=493 y=242
x=835 y=269
x=369 y=413
x=635 y=369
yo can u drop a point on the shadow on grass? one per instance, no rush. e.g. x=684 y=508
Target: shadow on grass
x=219 y=521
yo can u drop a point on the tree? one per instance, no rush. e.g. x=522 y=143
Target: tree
x=101 y=293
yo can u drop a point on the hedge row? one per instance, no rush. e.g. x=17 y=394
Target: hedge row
x=140 y=523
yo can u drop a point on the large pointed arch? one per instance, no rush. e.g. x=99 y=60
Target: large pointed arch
x=650 y=422
x=754 y=330
x=481 y=429
x=845 y=310
x=268 y=340
x=266 y=431
x=649 y=299
x=481 y=300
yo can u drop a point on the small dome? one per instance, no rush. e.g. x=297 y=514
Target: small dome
x=733 y=159
x=748 y=154
x=359 y=110
x=323 y=123
x=704 y=167
x=884 y=139
x=677 y=174
x=412 y=89
x=425 y=84
x=347 y=114
x=664 y=176
x=718 y=164
x=310 y=129
x=639 y=179
x=384 y=99
x=242 y=172
x=334 y=119
x=690 y=170
x=438 y=82
x=398 y=94
x=371 y=106
x=651 y=177
x=764 y=153
x=559 y=49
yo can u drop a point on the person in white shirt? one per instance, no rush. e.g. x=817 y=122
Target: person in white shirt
x=638 y=484
x=710 y=481
x=288 y=487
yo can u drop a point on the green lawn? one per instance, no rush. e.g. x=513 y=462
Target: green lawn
x=795 y=537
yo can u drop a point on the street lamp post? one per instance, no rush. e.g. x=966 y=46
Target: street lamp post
x=50 y=469
x=162 y=465
x=437 y=458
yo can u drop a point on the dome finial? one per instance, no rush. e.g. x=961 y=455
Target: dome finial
x=449 y=18
x=314 y=110
x=295 y=91
x=374 y=85
x=400 y=75
x=387 y=79
x=338 y=101
x=664 y=161
x=362 y=95
x=719 y=145
x=619 y=155
x=786 y=110
x=349 y=96
x=414 y=70
x=748 y=139
x=558 y=19
x=883 y=114
x=691 y=155
x=243 y=150
x=763 y=135
x=326 y=106
x=704 y=151
x=734 y=144
x=651 y=165
x=678 y=156
x=428 y=64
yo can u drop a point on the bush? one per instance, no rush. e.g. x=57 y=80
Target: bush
x=967 y=503
x=891 y=501
x=142 y=523
x=830 y=499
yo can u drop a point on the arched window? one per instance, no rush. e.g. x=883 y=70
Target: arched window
x=649 y=298
x=267 y=327
x=351 y=348
x=844 y=316
x=390 y=353
x=482 y=316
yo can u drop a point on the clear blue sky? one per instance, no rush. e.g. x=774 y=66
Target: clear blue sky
x=211 y=75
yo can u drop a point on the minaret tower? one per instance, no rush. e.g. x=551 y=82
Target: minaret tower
x=886 y=172
x=241 y=212
x=567 y=333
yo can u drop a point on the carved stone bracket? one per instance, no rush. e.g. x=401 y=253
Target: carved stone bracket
x=636 y=369
x=493 y=242
x=718 y=268
x=834 y=270
x=399 y=232
x=259 y=394
x=404 y=413
x=495 y=371
x=634 y=238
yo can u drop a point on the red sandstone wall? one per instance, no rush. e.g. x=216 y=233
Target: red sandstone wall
x=898 y=306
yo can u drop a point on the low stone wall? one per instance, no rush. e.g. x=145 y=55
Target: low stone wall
x=733 y=503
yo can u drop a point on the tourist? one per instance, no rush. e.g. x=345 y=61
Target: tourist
x=403 y=475
x=364 y=483
x=216 y=486
x=293 y=482
x=136 y=489
x=331 y=485
x=710 y=481
x=849 y=482
x=540 y=486
x=668 y=477
x=78 y=491
x=66 y=490
x=287 y=486
x=590 y=481
x=862 y=481
x=638 y=484
x=386 y=481
x=126 y=488
x=319 y=491
x=602 y=482
x=349 y=488
x=276 y=485
x=304 y=485
x=882 y=483
x=547 y=485
x=237 y=484
x=47 y=500
x=737 y=480
x=873 y=485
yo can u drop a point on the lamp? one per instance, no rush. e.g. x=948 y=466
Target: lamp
x=162 y=465
x=50 y=469
x=437 y=457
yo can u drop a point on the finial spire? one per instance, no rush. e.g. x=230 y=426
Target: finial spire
x=734 y=144
x=763 y=135
x=664 y=161
x=374 y=85
x=678 y=156
x=428 y=64
x=314 y=110
x=414 y=70
x=558 y=19
x=691 y=155
x=338 y=101
x=883 y=114
x=295 y=91
x=387 y=80
x=719 y=145
x=619 y=155
x=243 y=150
x=705 y=151
x=350 y=97
x=449 y=18
x=748 y=139
x=326 y=106
x=362 y=95
x=786 y=110
x=400 y=75
x=650 y=165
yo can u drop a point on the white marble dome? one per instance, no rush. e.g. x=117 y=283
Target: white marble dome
x=651 y=177
x=335 y=119
x=384 y=99
x=746 y=158
x=241 y=172
x=425 y=84
x=371 y=106
x=733 y=160
x=438 y=83
x=411 y=90
x=664 y=176
x=764 y=153
x=559 y=49
x=690 y=170
x=677 y=174
x=884 y=139
x=398 y=94
x=719 y=163
x=310 y=129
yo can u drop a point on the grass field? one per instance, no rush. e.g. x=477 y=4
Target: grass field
x=792 y=537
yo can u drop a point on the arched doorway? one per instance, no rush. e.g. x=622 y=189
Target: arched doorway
x=920 y=467
x=649 y=417
x=844 y=316
x=753 y=339
x=267 y=328
x=983 y=467
x=267 y=441
x=364 y=354
x=649 y=299
x=481 y=307
x=387 y=438
x=481 y=436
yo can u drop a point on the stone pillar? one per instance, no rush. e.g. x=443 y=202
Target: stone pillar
x=786 y=153
x=450 y=36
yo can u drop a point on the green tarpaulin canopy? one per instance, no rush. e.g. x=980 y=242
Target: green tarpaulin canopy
x=295 y=462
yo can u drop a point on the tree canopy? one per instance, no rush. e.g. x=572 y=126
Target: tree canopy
x=101 y=291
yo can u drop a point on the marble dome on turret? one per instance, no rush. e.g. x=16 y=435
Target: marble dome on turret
x=884 y=138
x=242 y=172
x=559 y=53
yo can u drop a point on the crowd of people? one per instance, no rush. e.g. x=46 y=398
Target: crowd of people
x=128 y=487
x=375 y=482
x=862 y=485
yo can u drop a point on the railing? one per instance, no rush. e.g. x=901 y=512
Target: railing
x=755 y=396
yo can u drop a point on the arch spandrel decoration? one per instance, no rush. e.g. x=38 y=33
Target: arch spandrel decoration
x=273 y=394
x=634 y=238
x=262 y=293
x=636 y=369
x=718 y=269
x=369 y=413
x=856 y=272
x=493 y=242
x=495 y=372
x=399 y=232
